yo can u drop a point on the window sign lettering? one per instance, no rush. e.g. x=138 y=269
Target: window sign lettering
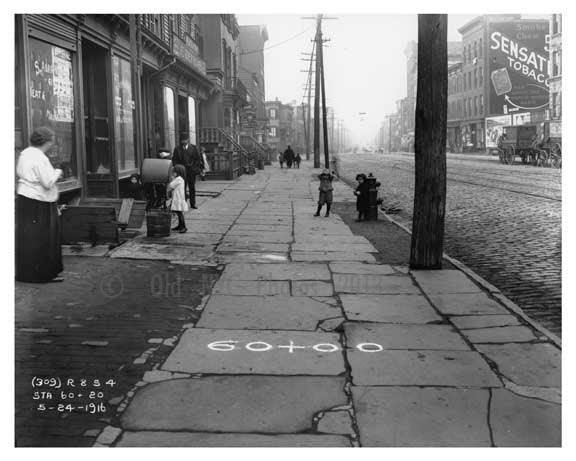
x=52 y=101
x=123 y=114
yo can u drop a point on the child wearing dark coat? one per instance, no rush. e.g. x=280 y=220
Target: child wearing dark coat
x=134 y=189
x=325 y=195
x=361 y=193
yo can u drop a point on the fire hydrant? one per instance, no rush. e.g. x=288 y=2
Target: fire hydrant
x=373 y=201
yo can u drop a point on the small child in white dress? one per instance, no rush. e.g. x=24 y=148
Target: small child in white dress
x=178 y=189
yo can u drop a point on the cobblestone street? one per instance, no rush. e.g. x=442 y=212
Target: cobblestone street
x=504 y=222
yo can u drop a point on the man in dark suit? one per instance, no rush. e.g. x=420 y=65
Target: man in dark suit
x=187 y=154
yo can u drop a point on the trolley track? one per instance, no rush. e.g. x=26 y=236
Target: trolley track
x=491 y=186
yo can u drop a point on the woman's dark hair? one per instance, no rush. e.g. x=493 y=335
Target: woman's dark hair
x=361 y=175
x=135 y=175
x=41 y=136
x=180 y=170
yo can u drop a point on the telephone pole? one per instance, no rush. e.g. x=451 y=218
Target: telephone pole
x=306 y=111
x=430 y=144
x=319 y=86
x=324 y=115
x=316 y=94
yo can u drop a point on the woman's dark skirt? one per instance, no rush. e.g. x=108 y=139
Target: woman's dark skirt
x=38 y=250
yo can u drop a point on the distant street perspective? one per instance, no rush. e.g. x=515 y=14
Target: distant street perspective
x=503 y=221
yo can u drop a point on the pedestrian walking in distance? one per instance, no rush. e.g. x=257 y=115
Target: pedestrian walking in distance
x=178 y=205
x=361 y=193
x=281 y=160
x=325 y=192
x=289 y=156
x=298 y=159
x=38 y=250
x=187 y=155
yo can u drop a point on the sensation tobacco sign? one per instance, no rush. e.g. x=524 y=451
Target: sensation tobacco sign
x=518 y=66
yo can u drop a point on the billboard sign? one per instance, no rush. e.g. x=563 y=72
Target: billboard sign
x=518 y=66
x=494 y=127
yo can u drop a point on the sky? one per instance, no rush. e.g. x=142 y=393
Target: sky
x=364 y=62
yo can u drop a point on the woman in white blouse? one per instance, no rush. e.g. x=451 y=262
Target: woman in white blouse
x=38 y=251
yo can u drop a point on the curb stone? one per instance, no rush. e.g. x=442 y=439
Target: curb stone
x=506 y=302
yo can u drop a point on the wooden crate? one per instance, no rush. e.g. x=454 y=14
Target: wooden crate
x=92 y=224
x=131 y=213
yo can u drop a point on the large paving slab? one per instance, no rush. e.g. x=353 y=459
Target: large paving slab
x=511 y=334
x=361 y=269
x=389 y=308
x=135 y=250
x=422 y=417
x=415 y=337
x=319 y=256
x=207 y=227
x=312 y=288
x=445 y=281
x=290 y=271
x=338 y=239
x=528 y=364
x=335 y=246
x=467 y=304
x=421 y=368
x=468 y=322
x=189 y=238
x=247 y=240
x=265 y=221
x=225 y=286
x=375 y=284
x=248 y=257
x=524 y=422
x=262 y=227
x=254 y=246
x=271 y=352
x=265 y=313
x=230 y=440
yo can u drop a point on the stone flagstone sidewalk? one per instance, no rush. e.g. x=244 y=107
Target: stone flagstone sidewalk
x=307 y=341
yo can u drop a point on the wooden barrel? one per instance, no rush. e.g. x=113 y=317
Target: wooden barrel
x=158 y=223
x=156 y=170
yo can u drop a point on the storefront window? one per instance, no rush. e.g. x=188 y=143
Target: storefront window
x=192 y=119
x=123 y=114
x=169 y=121
x=52 y=101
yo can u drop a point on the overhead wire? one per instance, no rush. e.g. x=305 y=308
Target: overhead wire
x=276 y=44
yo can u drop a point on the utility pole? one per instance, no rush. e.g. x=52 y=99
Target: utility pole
x=390 y=133
x=319 y=86
x=332 y=129
x=304 y=126
x=430 y=143
x=324 y=115
x=317 y=95
x=307 y=121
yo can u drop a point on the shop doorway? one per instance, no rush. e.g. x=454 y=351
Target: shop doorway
x=100 y=174
x=183 y=117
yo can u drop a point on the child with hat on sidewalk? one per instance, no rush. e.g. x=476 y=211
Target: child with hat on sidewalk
x=325 y=195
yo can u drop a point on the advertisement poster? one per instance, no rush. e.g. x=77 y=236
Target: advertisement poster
x=518 y=66
x=521 y=118
x=52 y=100
x=494 y=127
